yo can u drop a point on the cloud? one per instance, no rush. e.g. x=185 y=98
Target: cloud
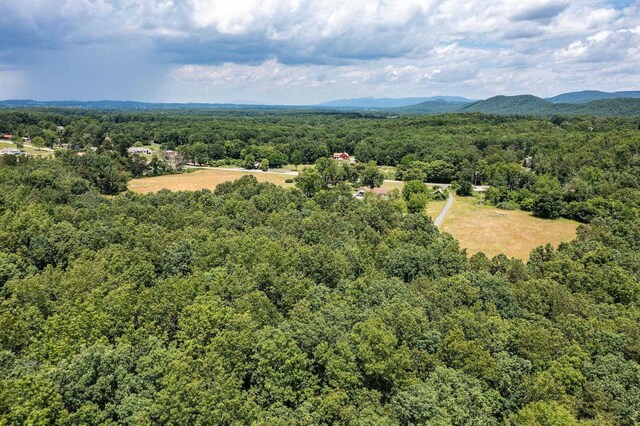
x=542 y=12
x=605 y=46
x=216 y=48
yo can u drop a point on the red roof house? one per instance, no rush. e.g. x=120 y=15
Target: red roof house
x=341 y=156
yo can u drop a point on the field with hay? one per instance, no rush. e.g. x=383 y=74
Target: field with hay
x=493 y=231
x=201 y=179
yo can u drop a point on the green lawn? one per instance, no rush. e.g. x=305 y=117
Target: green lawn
x=493 y=231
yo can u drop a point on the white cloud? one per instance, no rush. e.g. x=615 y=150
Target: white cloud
x=365 y=46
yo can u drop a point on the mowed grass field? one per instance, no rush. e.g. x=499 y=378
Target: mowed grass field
x=200 y=179
x=493 y=231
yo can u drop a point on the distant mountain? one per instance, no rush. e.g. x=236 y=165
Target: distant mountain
x=436 y=107
x=504 y=105
x=382 y=103
x=520 y=104
x=591 y=95
x=530 y=105
x=131 y=105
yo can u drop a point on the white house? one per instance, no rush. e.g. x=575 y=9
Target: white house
x=134 y=150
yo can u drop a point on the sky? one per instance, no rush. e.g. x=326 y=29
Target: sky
x=310 y=51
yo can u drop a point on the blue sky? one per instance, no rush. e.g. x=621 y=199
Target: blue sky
x=309 y=51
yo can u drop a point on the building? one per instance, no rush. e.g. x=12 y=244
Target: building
x=359 y=194
x=341 y=156
x=134 y=150
x=381 y=192
x=26 y=139
x=10 y=151
x=7 y=136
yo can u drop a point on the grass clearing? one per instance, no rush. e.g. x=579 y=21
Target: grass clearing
x=493 y=231
x=26 y=149
x=392 y=185
x=300 y=167
x=435 y=207
x=200 y=179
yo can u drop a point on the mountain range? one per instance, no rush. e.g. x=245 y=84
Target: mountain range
x=589 y=102
x=370 y=102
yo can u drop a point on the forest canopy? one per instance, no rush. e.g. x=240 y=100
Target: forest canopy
x=255 y=304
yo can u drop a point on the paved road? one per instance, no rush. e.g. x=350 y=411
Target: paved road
x=444 y=211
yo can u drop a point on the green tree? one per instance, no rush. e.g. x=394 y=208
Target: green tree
x=309 y=181
x=38 y=142
x=371 y=176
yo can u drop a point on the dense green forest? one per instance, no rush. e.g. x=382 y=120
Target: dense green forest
x=256 y=304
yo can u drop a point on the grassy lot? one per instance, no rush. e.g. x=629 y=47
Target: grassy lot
x=30 y=151
x=392 y=185
x=435 y=207
x=389 y=172
x=200 y=179
x=293 y=168
x=493 y=231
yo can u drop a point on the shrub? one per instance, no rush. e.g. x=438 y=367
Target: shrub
x=507 y=205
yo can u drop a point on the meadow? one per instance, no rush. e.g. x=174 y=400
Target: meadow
x=493 y=231
x=201 y=179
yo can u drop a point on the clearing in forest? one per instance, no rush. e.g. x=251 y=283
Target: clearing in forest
x=200 y=179
x=493 y=231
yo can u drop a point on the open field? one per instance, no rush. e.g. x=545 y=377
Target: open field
x=26 y=149
x=392 y=185
x=294 y=168
x=389 y=172
x=200 y=179
x=493 y=231
x=435 y=207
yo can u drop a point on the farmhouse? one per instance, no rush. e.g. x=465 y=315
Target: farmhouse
x=134 y=150
x=344 y=156
x=380 y=192
x=10 y=151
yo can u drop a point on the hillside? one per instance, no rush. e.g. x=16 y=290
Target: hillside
x=521 y=104
x=436 y=107
x=532 y=105
x=370 y=102
x=591 y=95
